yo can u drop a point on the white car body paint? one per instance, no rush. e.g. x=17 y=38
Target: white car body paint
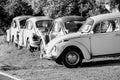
x=90 y=43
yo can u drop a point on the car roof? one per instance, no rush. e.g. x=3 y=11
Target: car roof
x=22 y=17
x=40 y=18
x=106 y=16
x=69 y=18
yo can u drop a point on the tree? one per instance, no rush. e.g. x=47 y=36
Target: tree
x=36 y=5
x=18 y=7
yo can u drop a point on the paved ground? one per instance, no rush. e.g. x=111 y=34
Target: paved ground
x=4 y=76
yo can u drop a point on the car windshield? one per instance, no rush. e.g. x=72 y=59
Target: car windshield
x=73 y=26
x=43 y=23
x=87 y=26
x=22 y=23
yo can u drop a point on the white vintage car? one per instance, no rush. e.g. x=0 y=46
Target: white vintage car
x=31 y=35
x=62 y=26
x=16 y=26
x=99 y=35
x=65 y=25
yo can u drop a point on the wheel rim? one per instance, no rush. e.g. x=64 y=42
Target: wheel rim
x=72 y=58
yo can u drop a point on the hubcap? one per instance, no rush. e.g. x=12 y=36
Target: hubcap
x=72 y=58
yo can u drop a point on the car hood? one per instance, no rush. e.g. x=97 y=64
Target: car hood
x=56 y=40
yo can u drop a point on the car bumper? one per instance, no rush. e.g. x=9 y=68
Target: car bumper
x=50 y=56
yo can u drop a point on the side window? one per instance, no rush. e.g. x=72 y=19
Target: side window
x=22 y=23
x=117 y=22
x=112 y=26
x=97 y=28
x=72 y=26
x=105 y=26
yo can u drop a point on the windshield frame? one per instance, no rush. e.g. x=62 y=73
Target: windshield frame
x=88 y=25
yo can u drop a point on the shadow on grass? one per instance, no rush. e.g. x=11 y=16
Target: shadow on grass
x=8 y=68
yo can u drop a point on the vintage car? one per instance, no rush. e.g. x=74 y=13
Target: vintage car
x=31 y=35
x=17 y=25
x=98 y=36
x=61 y=26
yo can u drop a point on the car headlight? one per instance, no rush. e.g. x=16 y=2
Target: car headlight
x=54 y=49
x=50 y=50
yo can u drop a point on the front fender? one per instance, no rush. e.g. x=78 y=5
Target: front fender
x=85 y=51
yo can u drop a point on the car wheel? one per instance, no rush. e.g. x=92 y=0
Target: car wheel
x=28 y=46
x=72 y=58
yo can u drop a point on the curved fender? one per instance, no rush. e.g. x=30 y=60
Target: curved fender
x=85 y=51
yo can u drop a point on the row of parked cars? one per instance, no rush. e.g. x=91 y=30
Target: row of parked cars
x=67 y=40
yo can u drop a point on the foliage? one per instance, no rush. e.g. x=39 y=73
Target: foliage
x=36 y=5
x=52 y=8
x=18 y=7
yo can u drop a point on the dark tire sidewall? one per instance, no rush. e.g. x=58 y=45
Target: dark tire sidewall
x=64 y=61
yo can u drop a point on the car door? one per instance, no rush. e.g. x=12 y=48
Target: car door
x=105 y=42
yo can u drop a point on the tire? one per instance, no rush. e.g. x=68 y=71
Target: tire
x=72 y=58
x=28 y=46
x=59 y=61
